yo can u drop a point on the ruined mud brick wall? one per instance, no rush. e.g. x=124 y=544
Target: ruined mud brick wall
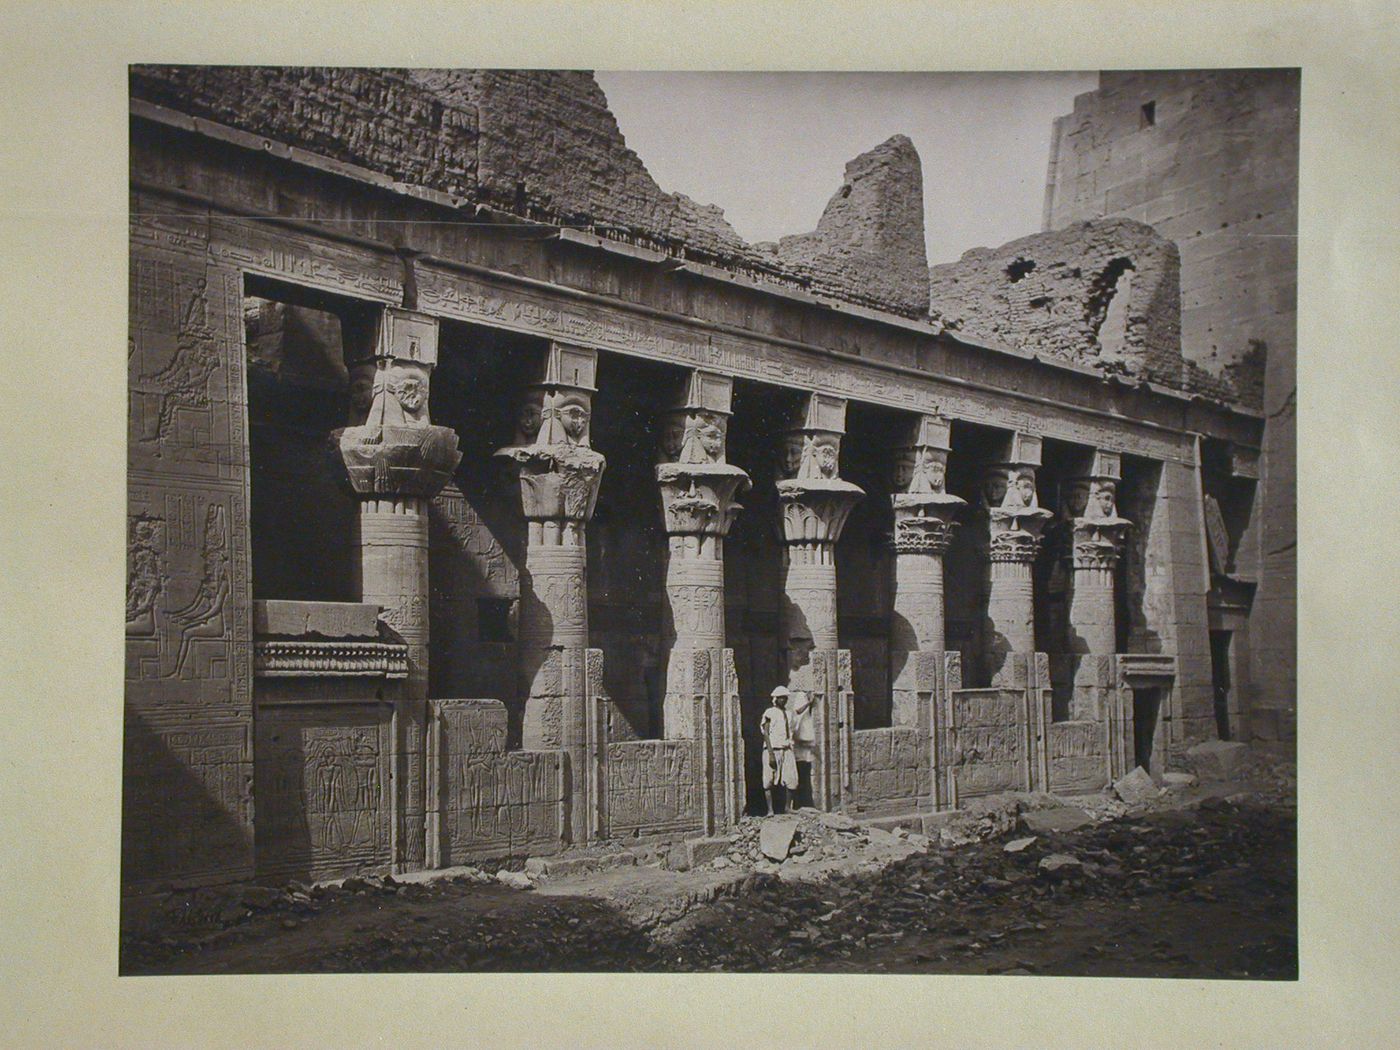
x=188 y=775
x=871 y=236
x=1216 y=170
x=1101 y=294
x=890 y=769
x=542 y=144
x=485 y=802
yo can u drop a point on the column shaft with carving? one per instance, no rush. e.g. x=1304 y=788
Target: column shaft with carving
x=815 y=502
x=923 y=528
x=396 y=461
x=1097 y=531
x=699 y=491
x=1016 y=521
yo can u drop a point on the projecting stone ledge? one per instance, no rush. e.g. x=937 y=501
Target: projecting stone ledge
x=869 y=244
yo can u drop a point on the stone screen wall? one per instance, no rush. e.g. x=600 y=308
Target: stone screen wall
x=652 y=788
x=485 y=802
x=890 y=770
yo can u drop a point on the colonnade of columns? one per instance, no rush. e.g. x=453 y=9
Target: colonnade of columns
x=397 y=460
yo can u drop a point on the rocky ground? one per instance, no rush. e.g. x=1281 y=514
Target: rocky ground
x=1190 y=880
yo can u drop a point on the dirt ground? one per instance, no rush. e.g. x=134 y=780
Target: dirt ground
x=1204 y=891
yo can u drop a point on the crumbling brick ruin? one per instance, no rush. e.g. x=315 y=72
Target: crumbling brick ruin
x=480 y=492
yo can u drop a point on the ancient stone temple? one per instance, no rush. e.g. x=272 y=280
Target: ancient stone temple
x=481 y=492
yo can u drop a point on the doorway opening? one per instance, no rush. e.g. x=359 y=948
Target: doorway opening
x=1147 y=705
x=1220 y=643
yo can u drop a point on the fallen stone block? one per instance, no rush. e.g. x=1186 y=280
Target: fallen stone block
x=1217 y=759
x=702 y=851
x=776 y=835
x=1017 y=845
x=516 y=880
x=1064 y=818
x=1061 y=865
x=1136 y=788
x=838 y=822
x=1177 y=781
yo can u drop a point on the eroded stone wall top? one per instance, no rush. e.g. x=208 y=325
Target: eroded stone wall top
x=1104 y=294
x=543 y=144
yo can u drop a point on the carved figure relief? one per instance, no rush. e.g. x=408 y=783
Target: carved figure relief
x=181 y=384
x=397 y=394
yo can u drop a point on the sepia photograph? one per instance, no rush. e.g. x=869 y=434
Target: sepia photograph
x=737 y=521
x=884 y=565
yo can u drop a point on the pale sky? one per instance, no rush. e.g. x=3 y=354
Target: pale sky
x=770 y=148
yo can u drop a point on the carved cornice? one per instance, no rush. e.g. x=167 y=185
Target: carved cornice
x=314 y=659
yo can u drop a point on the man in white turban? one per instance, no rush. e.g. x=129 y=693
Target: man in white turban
x=779 y=766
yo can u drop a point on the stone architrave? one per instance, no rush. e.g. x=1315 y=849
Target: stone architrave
x=1097 y=537
x=397 y=461
x=1016 y=521
x=558 y=472
x=924 y=515
x=699 y=491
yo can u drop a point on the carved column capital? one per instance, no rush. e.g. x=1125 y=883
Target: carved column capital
x=814 y=500
x=924 y=511
x=698 y=487
x=558 y=470
x=1091 y=510
x=391 y=449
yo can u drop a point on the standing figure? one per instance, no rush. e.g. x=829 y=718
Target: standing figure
x=804 y=747
x=779 y=766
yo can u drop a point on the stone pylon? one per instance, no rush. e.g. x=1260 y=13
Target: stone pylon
x=924 y=515
x=1097 y=536
x=558 y=473
x=815 y=502
x=1016 y=521
x=699 y=491
x=396 y=461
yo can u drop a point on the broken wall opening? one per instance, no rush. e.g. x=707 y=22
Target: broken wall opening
x=627 y=544
x=475 y=531
x=303 y=513
x=864 y=560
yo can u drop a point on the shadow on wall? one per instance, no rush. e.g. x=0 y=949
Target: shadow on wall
x=177 y=826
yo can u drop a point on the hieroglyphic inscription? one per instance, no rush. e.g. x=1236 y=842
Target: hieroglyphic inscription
x=322 y=777
x=986 y=741
x=531 y=311
x=889 y=765
x=186 y=602
x=651 y=786
x=1077 y=761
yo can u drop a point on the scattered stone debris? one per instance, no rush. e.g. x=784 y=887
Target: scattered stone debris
x=1060 y=865
x=1217 y=759
x=516 y=880
x=1174 y=781
x=1137 y=787
x=1017 y=845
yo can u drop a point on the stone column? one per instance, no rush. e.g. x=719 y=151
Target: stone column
x=923 y=528
x=397 y=461
x=558 y=473
x=1097 y=531
x=815 y=503
x=1016 y=521
x=698 y=502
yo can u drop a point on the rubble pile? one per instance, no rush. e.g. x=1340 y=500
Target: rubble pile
x=815 y=837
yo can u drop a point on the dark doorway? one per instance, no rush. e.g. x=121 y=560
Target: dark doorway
x=1147 y=703
x=1220 y=677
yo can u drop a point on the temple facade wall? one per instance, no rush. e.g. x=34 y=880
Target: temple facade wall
x=1209 y=158
x=298 y=653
